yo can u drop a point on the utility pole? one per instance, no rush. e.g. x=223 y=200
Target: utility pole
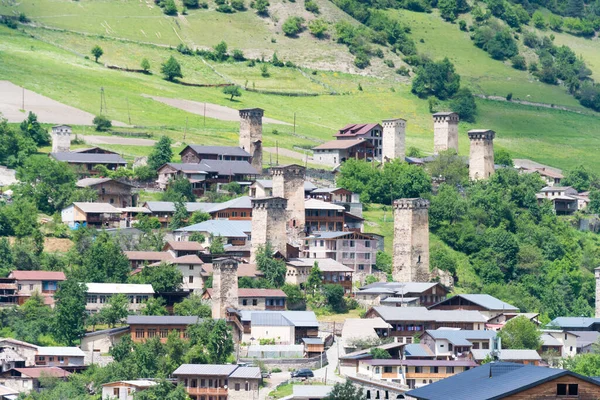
x=205 y=115
x=128 y=114
x=294 y=122
x=185 y=131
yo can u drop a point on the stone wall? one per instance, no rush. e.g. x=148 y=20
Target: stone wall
x=411 y=241
x=288 y=182
x=394 y=138
x=289 y=364
x=269 y=218
x=251 y=134
x=61 y=138
x=225 y=286
x=481 y=156
x=445 y=132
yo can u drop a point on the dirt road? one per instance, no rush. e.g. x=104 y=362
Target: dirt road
x=127 y=141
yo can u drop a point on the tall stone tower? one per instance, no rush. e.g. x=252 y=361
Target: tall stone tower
x=394 y=138
x=225 y=286
x=288 y=182
x=61 y=138
x=445 y=132
x=251 y=134
x=481 y=156
x=597 y=274
x=411 y=240
x=269 y=217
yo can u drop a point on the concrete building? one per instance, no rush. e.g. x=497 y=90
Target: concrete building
x=394 y=139
x=44 y=283
x=16 y=354
x=98 y=295
x=447 y=344
x=269 y=216
x=225 y=286
x=61 y=138
x=445 y=132
x=125 y=390
x=332 y=272
x=411 y=241
x=219 y=382
x=371 y=133
x=341 y=197
x=57 y=356
x=481 y=156
x=288 y=182
x=335 y=152
x=236 y=233
x=286 y=327
x=103 y=340
x=95 y=215
x=194 y=154
x=25 y=380
x=256 y=299
x=251 y=134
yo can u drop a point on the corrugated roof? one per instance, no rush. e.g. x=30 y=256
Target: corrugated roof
x=460 y=337
x=342 y=144
x=109 y=332
x=38 y=275
x=89 y=158
x=315 y=204
x=356 y=129
x=60 y=351
x=126 y=288
x=444 y=114
x=246 y=373
x=218 y=150
x=507 y=355
x=240 y=202
x=163 y=320
x=423 y=314
x=313 y=340
x=400 y=287
x=221 y=227
x=148 y=255
x=250 y=270
x=417 y=350
x=549 y=340
x=482 y=300
x=96 y=208
x=184 y=246
x=36 y=372
x=138 y=383
x=325 y=264
x=205 y=369
x=295 y=318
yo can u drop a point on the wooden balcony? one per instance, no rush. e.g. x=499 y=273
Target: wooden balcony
x=206 y=391
x=390 y=375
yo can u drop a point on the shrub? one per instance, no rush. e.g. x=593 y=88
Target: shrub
x=539 y=21
x=261 y=7
x=233 y=91
x=531 y=40
x=362 y=61
x=464 y=105
x=145 y=65
x=311 y=6
x=203 y=4
x=225 y=8
x=238 y=5
x=191 y=3
x=23 y=18
x=389 y=63
x=403 y=71
x=169 y=7
x=102 y=123
x=317 y=28
x=462 y=25
x=171 y=69
x=238 y=55
x=518 y=62
x=264 y=71
x=183 y=49
x=292 y=26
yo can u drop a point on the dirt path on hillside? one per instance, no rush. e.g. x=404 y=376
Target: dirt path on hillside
x=47 y=110
x=127 y=141
x=212 y=110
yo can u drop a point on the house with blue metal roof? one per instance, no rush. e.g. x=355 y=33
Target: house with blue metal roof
x=576 y=324
x=454 y=343
x=500 y=380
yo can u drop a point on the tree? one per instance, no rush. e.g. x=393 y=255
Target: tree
x=449 y=166
x=314 y=279
x=346 y=391
x=292 y=26
x=145 y=65
x=116 y=309
x=379 y=354
x=436 y=78
x=463 y=103
x=199 y=216
x=104 y=261
x=383 y=262
x=295 y=298
x=220 y=52
x=318 y=28
x=179 y=217
x=518 y=62
x=448 y=9
x=102 y=123
x=274 y=270
x=171 y=69
x=6 y=257
x=586 y=364
x=233 y=91
x=69 y=309
x=169 y=8
x=161 y=153
x=147 y=224
x=220 y=342
x=15 y=148
x=311 y=6
x=32 y=129
x=520 y=333
x=335 y=297
x=97 y=52
x=164 y=277
x=593 y=206
x=216 y=245
x=22 y=215
x=261 y=7
x=191 y=3
x=580 y=179
x=193 y=305
x=503 y=157
x=575 y=8
x=165 y=390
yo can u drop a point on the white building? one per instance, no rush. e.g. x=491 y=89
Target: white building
x=98 y=295
x=124 y=390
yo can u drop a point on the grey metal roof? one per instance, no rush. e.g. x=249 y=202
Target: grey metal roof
x=295 y=318
x=423 y=314
x=221 y=227
x=460 y=337
x=228 y=168
x=549 y=340
x=508 y=355
x=163 y=320
x=246 y=373
x=240 y=202
x=109 y=332
x=268 y=184
x=311 y=391
x=219 y=150
x=205 y=369
x=574 y=322
x=269 y=319
x=169 y=206
x=491 y=381
x=417 y=350
x=313 y=340
x=330 y=235
x=402 y=287
x=487 y=301
x=325 y=190
x=89 y=158
x=585 y=338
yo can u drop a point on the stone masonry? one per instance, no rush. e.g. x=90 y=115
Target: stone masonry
x=251 y=134
x=61 y=138
x=225 y=286
x=394 y=138
x=288 y=182
x=269 y=217
x=445 y=132
x=481 y=157
x=597 y=274
x=411 y=241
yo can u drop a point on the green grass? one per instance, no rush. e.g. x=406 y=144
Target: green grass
x=282 y=391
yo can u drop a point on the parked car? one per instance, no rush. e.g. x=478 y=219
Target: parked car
x=303 y=373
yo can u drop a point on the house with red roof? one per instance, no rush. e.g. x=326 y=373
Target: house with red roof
x=336 y=152
x=25 y=380
x=42 y=282
x=373 y=133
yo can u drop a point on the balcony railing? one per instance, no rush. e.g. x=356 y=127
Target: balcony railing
x=206 y=391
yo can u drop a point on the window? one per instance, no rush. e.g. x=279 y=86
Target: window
x=191 y=267
x=61 y=359
x=191 y=279
x=244 y=302
x=485 y=345
x=247 y=385
x=139 y=333
x=388 y=370
x=434 y=370
x=361 y=267
x=564 y=389
x=367 y=256
x=449 y=370
x=254 y=302
x=418 y=370
x=377 y=370
x=151 y=333
x=475 y=345
x=51 y=359
x=31 y=287
x=164 y=333
x=237 y=387
x=322 y=243
x=352 y=243
x=573 y=389
x=116 y=392
x=367 y=243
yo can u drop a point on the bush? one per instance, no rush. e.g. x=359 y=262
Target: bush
x=225 y=8
x=191 y=3
x=183 y=49
x=261 y=7
x=531 y=40
x=171 y=69
x=264 y=71
x=389 y=63
x=23 y=18
x=403 y=71
x=238 y=55
x=317 y=28
x=292 y=26
x=464 y=105
x=233 y=91
x=145 y=65
x=436 y=78
x=102 y=123
x=518 y=62
x=169 y=7
x=311 y=6
x=462 y=25
x=362 y=61
x=509 y=97
x=238 y=5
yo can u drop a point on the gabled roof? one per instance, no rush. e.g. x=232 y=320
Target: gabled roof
x=508 y=355
x=250 y=270
x=400 y=287
x=228 y=168
x=246 y=373
x=221 y=227
x=492 y=381
x=205 y=369
x=137 y=383
x=245 y=293
x=38 y=275
x=421 y=363
x=109 y=332
x=315 y=204
x=460 y=337
x=162 y=320
x=240 y=202
x=148 y=255
x=169 y=206
x=417 y=350
x=112 y=288
x=356 y=129
x=483 y=300
x=558 y=189
x=60 y=351
x=97 y=208
x=342 y=144
x=549 y=340
x=183 y=246
x=89 y=158
x=218 y=150
x=574 y=322
x=36 y=372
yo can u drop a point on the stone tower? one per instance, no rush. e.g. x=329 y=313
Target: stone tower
x=394 y=138
x=288 y=182
x=445 y=132
x=225 y=286
x=269 y=218
x=411 y=240
x=251 y=134
x=481 y=156
x=61 y=138
x=597 y=274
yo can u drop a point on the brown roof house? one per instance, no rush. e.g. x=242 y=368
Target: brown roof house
x=26 y=380
x=84 y=163
x=43 y=282
x=373 y=133
x=335 y=152
x=110 y=191
x=97 y=215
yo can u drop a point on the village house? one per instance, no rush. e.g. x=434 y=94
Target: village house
x=84 y=163
x=110 y=191
x=343 y=197
x=565 y=200
x=332 y=272
x=322 y=216
x=264 y=188
x=239 y=209
x=144 y=327
x=103 y=340
x=352 y=249
x=521 y=356
x=257 y=299
x=335 y=152
x=138 y=259
x=56 y=356
x=586 y=341
x=551 y=177
x=25 y=380
x=576 y=324
x=98 y=295
x=44 y=283
x=484 y=303
x=407 y=322
x=163 y=210
x=194 y=154
x=190 y=267
x=125 y=390
x=8 y=292
x=372 y=133
x=448 y=344
x=562 y=344
x=363 y=330
x=286 y=327
x=219 y=382
x=94 y=215
x=498 y=322
x=503 y=380
x=16 y=354
x=180 y=249
x=236 y=233
x=244 y=270
x=401 y=294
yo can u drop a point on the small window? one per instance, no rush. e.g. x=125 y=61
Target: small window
x=561 y=389
x=191 y=279
x=191 y=267
x=573 y=389
x=30 y=287
x=237 y=387
x=116 y=392
x=244 y=302
x=254 y=302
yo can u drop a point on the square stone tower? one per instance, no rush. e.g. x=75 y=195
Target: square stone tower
x=481 y=156
x=411 y=240
x=251 y=134
x=61 y=138
x=225 y=286
x=288 y=182
x=445 y=132
x=269 y=220
x=597 y=274
x=394 y=139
